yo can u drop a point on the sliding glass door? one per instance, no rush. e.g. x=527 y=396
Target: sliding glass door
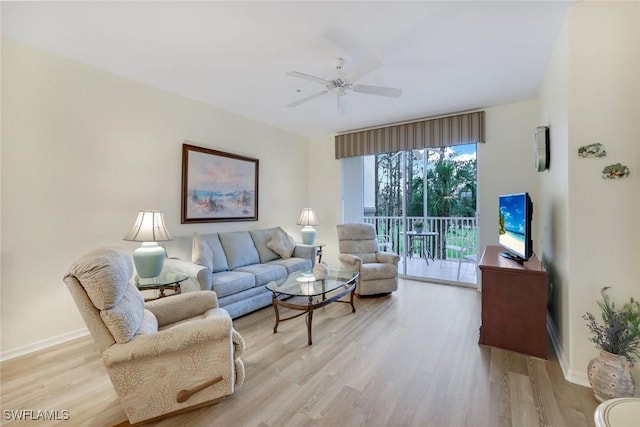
x=423 y=205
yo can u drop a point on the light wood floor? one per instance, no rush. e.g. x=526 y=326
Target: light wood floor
x=410 y=359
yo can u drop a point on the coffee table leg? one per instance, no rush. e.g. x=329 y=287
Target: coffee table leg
x=274 y=302
x=309 y=319
x=353 y=307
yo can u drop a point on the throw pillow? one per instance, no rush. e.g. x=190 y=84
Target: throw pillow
x=201 y=252
x=282 y=244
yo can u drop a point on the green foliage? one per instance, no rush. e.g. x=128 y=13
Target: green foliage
x=501 y=229
x=388 y=185
x=451 y=185
x=619 y=332
x=415 y=205
x=451 y=188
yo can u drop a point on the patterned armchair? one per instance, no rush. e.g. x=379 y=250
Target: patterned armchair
x=164 y=356
x=359 y=251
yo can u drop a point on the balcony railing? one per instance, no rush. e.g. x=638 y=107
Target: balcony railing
x=457 y=231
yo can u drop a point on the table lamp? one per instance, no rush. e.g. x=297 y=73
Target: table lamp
x=308 y=219
x=149 y=229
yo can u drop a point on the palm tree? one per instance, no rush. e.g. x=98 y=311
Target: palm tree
x=451 y=191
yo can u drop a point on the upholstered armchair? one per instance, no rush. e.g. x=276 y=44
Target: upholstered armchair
x=164 y=356
x=358 y=247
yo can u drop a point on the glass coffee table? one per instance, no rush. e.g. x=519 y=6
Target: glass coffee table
x=300 y=291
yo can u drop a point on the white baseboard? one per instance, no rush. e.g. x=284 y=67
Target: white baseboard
x=570 y=375
x=39 y=345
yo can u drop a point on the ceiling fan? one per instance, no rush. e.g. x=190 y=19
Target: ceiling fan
x=342 y=84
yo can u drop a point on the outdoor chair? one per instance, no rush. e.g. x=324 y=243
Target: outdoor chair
x=465 y=252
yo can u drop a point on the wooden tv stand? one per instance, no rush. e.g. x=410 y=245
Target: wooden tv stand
x=514 y=303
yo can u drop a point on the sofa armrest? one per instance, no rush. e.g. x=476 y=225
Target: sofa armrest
x=388 y=257
x=183 y=306
x=305 y=251
x=216 y=327
x=198 y=275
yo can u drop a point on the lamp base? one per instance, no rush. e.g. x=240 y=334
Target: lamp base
x=149 y=259
x=308 y=235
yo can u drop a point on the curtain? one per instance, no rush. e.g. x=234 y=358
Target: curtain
x=458 y=129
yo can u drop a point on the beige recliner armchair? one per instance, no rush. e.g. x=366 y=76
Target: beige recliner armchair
x=164 y=356
x=359 y=252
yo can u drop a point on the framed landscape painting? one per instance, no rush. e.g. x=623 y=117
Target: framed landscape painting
x=218 y=186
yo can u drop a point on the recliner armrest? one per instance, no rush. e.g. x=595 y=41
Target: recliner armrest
x=388 y=258
x=216 y=327
x=350 y=261
x=179 y=307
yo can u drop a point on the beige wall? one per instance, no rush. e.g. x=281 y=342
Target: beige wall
x=592 y=94
x=82 y=151
x=505 y=164
x=554 y=200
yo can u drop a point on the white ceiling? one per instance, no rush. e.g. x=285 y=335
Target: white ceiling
x=447 y=56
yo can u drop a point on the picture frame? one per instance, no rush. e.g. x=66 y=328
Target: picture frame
x=218 y=186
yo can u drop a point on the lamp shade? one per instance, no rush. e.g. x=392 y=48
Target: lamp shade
x=307 y=217
x=149 y=229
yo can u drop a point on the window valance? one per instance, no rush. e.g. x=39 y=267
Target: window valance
x=459 y=129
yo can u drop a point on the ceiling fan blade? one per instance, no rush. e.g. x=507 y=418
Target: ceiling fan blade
x=308 y=77
x=307 y=98
x=378 y=90
x=365 y=68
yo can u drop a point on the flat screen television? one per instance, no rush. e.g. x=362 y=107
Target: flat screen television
x=515 y=213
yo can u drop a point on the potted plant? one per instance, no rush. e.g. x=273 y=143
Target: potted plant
x=618 y=339
x=418 y=225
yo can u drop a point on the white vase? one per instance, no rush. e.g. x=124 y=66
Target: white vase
x=610 y=376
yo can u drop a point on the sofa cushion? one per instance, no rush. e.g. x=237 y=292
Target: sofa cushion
x=239 y=249
x=265 y=273
x=219 y=258
x=260 y=239
x=229 y=282
x=293 y=264
x=201 y=252
x=282 y=244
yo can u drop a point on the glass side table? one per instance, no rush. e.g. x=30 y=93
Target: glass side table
x=166 y=280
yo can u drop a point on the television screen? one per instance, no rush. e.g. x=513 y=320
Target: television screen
x=515 y=214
